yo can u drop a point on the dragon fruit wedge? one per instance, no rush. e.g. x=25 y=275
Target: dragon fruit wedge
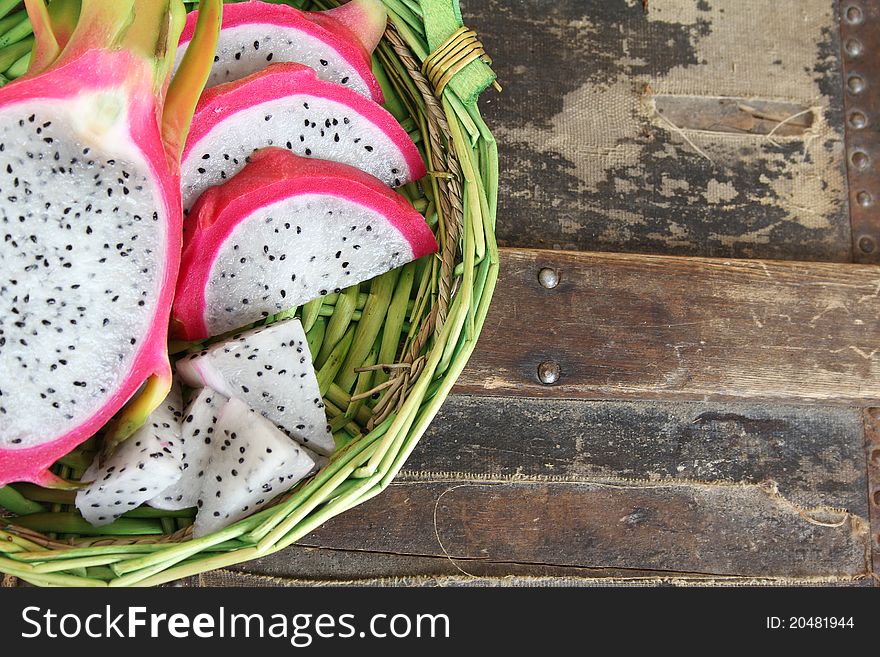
x=271 y=370
x=90 y=223
x=254 y=463
x=335 y=43
x=284 y=231
x=146 y=463
x=197 y=443
x=285 y=105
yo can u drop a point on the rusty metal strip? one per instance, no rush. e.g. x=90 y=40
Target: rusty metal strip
x=860 y=39
x=872 y=447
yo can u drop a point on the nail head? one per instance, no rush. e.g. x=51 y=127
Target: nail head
x=548 y=277
x=854 y=15
x=858 y=120
x=860 y=159
x=549 y=372
x=856 y=84
x=853 y=47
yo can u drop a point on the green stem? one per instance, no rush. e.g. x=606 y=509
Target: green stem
x=16 y=33
x=12 y=500
x=73 y=523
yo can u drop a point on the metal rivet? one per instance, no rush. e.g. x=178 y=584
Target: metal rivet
x=875 y=457
x=853 y=47
x=860 y=159
x=874 y=413
x=864 y=199
x=548 y=277
x=876 y=497
x=548 y=372
x=854 y=15
x=856 y=84
x=858 y=120
x=866 y=244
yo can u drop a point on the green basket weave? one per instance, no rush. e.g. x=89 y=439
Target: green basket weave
x=387 y=352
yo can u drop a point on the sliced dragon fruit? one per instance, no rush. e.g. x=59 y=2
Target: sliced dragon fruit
x=196 y=446
x=146 y=463
x=335 y=43
x=286 y=105
x=254 y=463
x=90 y=224
x=284 y=231
x=271 y=370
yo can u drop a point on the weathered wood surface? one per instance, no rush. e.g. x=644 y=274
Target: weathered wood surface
x=623 y=129
x=710 y=128
x=621 y=492
x=631 y=326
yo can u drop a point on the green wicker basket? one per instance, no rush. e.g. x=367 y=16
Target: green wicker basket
x=388 y=351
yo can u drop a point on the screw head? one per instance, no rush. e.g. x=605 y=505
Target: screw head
x=549 y=372
x=856 y=84
x=867 y=245
x=864 y=199
x=858 y=120
x=548 y=277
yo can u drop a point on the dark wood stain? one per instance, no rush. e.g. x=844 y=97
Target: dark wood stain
x=814 y=454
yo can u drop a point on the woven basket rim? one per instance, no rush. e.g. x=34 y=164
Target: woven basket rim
x=413 y=387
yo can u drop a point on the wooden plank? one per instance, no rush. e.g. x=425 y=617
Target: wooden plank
x=814 y=456
x=726 y=530
x=307 y=567
x=762 y=474
x=591 y=162
x=651 y=327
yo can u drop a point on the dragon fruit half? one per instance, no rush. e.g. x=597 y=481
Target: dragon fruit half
x=90 y=223
x=336 y=43
x=284 y=231
x=286 y=105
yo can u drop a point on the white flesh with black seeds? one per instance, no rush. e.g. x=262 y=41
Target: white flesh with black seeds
x=81 y=261
x=253 y=463
x=142 y=466
x=197 y=443
x=303 y=124
x=270 y=369
x=246 y=49
x=296 y=250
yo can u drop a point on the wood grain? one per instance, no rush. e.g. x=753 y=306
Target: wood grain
x=653 y=327
x=725 y=530
x=813 y=455
x=695 y=460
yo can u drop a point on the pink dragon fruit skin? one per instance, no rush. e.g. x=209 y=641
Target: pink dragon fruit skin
x=275 y=175
x=349 y=32
x=101 y=69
